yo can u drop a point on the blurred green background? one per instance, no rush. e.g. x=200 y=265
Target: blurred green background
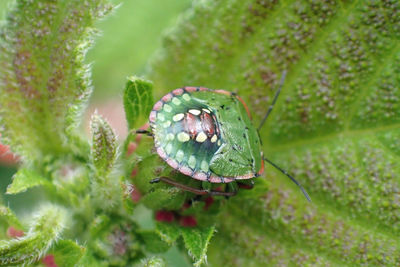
x=128 y=38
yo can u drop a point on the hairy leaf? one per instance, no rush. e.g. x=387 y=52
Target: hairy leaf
x=46 y=227
x=153 y=262
x=138 y=101
x=153 y=241
x=42 y=74
x=105 y=186
x=25 y=179
x=335 y=126
x=67 y=253
x=197 y=241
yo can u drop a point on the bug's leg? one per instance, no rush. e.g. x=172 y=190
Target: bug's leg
x=290 y=177
x=231 y=188
x=246 y=184
x=191 y=189
x=140 y=131
x=273 y=101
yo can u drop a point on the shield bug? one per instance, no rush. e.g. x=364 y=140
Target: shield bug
x=208 y=135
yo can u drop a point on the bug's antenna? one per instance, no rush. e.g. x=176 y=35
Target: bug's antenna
x=291 y=178
x=273 y=101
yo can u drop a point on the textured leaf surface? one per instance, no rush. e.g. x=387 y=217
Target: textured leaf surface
x=105 y=186
x=335 y=126
x=67 y=253
x=46 y=227
x=138 y=101
x=196 y=242
x=25 y=179
x=42 y=75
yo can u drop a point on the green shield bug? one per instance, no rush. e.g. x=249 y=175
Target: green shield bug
x=208 y=135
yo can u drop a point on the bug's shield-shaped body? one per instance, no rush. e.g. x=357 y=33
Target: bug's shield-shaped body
x=207 y=134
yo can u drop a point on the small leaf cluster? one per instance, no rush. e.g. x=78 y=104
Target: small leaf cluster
x=89 y=218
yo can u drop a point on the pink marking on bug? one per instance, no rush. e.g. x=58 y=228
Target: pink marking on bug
x=152 y=117
x=261 y=171
x=203 y=89
x=158 y=105
x=173 y=163
x=245 y=106
x=161 y=152
x=167 y=97
x=191 y=89
x=200 y=176
x=207 y=124
x=246 y=176
x=185 y=170
x=178 y=91
x=224 y=92
x=190 y=125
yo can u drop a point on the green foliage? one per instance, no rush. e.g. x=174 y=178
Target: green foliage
x=335 y=126
x=67 y=253
x=138 y=101
x=42 y=74
x=106 y=189
x=153 y=262
x=25 y=179
x=45 y=228
x=196 y=240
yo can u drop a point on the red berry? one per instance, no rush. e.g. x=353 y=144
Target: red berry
x=134 y=172
x=13 y=233
x=49 y=261
x=164 y=216
x=131 y=148
x=135 y=195
x=209 y=201
x=185 y=206
x=188 y=221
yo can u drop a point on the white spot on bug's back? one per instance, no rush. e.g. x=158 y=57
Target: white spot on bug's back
x=201 y=137
x=168 y=149
x=176 y=101
x=167 y=124
x=178 y=117
x=206 y=110
x=195 y=112
x=170 y=136
x=219 y=142
x=183 y=137
x=214 y=138
x=167 y=108
x=161 y=116
x=204 y=166
x=179 y=156
x=192 y=162
x=186 y=97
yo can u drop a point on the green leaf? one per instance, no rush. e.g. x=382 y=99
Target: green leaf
x=9 y=217
x=197 y=241
x=335 y=126
x=67 y=253
x=171 y=199
x=153 y=262
x=104 y=146
x=138 y=101
x=106 y=189
x=25 y=179
x=43 y=78
x=168 y=232
x=153 y=241
x=46 y=227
